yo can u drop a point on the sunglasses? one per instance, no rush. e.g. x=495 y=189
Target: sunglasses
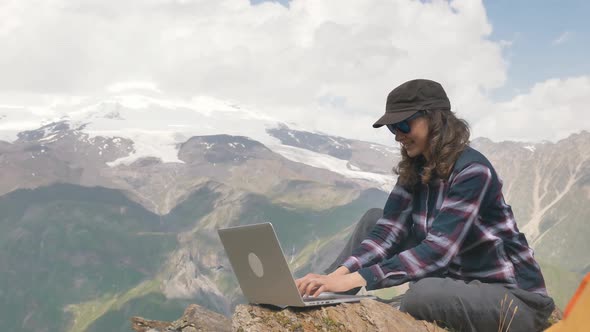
x=403 y=126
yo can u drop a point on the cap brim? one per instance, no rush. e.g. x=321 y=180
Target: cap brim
x=391 y=118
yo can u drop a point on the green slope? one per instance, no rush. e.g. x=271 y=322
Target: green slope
x=65 y=244
x=561 y=284
x=296 y=228
x=76 y=258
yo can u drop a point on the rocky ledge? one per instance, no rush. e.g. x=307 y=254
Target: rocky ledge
x=367 y=315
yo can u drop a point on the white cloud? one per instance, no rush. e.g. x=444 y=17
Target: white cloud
x=565 y=36
x=553 y=110
x=327 y=65
x=133 y=86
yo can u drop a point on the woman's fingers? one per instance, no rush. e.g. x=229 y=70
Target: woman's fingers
x=317 y=286
x=313 y=284
x=319 y=291
x=303 y=283
x=301 y=286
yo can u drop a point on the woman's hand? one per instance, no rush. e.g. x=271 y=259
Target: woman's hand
x=315 y=284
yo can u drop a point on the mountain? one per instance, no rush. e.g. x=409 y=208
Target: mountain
x=359 y=155
x=109 y=207
x=57 y=153
x=106 y=142
x=64 y=244
x=88 y=250
x=548 y=185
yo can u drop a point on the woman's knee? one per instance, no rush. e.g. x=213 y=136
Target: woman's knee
x=423 y=295
x=373 y=214
x=370 y=218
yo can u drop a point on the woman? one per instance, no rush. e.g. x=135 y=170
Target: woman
x=445 y=228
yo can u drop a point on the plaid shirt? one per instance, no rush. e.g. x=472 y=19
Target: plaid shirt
x=461 y=228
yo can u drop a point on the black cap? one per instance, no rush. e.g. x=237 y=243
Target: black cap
x=411 y=97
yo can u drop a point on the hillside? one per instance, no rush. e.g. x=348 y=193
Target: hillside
x=94 y=256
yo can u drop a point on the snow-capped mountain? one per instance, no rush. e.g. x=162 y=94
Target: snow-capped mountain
x=159 y=151
x=156 y=125
x=157 y=128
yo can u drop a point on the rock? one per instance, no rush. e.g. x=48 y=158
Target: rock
x=556 y=316
x=139 y=324
x=194 y=319
x=367 y=315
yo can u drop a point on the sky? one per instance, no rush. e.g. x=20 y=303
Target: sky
x=515 y=70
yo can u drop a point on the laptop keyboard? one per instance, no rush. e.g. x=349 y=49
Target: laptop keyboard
x=323 y=297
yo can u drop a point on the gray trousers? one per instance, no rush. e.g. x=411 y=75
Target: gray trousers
x=460 y=305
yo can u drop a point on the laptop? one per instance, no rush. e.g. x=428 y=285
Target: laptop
x=262 y=270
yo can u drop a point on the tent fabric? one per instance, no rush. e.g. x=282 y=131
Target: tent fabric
x=577 y=313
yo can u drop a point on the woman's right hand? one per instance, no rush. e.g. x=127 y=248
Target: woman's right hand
x=315 y=284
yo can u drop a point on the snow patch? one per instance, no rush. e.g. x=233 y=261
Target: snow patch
x=531 y=148
x=49 y=139
x=384 y=182
x=338 y=144
x=235 y=145
x=293 y=136
x=207 y=145
x=383 y=149
x=353 y=167
x=161 y=144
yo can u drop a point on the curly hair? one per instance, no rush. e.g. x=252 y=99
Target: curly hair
x=448 y=137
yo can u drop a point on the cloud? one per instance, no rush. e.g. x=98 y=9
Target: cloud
x=564 y=37
x=327 y=65
x=552 y=110
x=133 y=85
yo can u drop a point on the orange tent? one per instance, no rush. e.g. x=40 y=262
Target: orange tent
x=577 y=313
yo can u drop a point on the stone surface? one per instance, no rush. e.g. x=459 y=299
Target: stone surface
x=194 y=319
x=139 y=324
x=368 y=315
x=556 y=316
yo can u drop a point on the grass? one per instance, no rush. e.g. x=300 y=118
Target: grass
x=318 y=198
x=305 y=254
x=504 y=314
x=332 y=325
x=88 y=312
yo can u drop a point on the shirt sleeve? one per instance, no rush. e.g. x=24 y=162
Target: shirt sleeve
x=457 y=213
x=387 y=235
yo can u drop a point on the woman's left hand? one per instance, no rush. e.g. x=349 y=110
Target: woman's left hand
x=315 y=284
